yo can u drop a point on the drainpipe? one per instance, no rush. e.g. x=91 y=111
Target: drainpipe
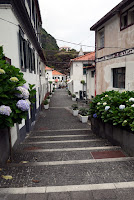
x=95 y=63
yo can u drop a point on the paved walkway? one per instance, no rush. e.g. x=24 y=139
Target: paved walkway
x=60 y=161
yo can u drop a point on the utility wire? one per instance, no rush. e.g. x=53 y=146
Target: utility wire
x=8 y=21
x=64 y=40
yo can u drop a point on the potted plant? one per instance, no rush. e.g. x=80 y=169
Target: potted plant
x=46 y=105
x=83 y=83
x=69 y=93
x=50 y=94
x=83 y=115
x=75 y=109
x=48 y=99
x=53 y=90
x=73 y=97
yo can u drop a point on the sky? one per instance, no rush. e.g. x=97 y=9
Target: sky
x=70 y=20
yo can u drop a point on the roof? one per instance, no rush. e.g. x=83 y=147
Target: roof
x=111 y=13
x=86 y=57
x=57 y=73
x=48 y=68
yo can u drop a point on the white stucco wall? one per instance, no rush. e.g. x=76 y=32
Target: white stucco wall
x=10 y=41
x=90 y=84
x=76 y=74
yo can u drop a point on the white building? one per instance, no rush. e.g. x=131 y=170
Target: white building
x=20 y=23
x=59 y=79
x=81 y=70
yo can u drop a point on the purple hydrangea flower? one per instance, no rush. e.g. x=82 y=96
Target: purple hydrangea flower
x=5 y=110
x=23 y=105
x=94 y=115
x=24 y=92
x=24 y=86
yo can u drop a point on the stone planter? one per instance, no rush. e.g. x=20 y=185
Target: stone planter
x=116 y=135
x=73 y=99
x=46 y=106
x=84 y=119
x=75 y=112
x=4 y=145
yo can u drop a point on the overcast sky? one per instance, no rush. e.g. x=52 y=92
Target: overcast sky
x=70 y=20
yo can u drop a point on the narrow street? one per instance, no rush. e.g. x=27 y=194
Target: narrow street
x=60 y=160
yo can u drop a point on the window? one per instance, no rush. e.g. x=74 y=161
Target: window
x=119 y=77
x=124 y=21
x=84 y=71
x=101 y=39
x=53 y=77
x=58 y=77
x=92 y=73
x=127 y=18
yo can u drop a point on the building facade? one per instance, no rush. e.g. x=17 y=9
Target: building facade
x=80 y=70
x=20 y=37
x=114 y=35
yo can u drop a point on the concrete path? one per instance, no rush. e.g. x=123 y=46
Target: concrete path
x=63 y=159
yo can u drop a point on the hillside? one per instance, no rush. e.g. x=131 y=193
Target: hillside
x=55 y=58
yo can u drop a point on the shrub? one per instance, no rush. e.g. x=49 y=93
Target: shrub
x=69 y=93
x=14 y=95
x=115 y=108
x=48 y=97
x=46 y=102
x=75 y=107
x=73 y=95
x=84 y=111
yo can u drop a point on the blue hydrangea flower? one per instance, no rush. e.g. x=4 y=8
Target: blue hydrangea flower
x=5 y=110
x=94 y=115
x=24 y=93
x=23 y=105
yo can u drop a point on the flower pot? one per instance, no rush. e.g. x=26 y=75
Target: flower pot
x=52 y=92
x=48 y=100
x=75 y=112
x=73 y=99
x=46 y=106
x=50 y=95
x=84 y=119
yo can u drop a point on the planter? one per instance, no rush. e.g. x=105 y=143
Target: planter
x=116 y=135
x=48 y=100
x=50 y=95
x=84 y=119
x=4 y=145
x=80 y=117
x=52 y=92
x=75 y=112
x=73 y=99
x=46 y=106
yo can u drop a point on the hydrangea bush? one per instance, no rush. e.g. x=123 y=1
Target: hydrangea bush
x=115 y=108
x=14 y=95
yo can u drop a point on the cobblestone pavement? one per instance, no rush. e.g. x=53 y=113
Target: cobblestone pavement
x=60 y=160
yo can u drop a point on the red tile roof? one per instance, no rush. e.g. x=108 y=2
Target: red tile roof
x=86 y=57
x=57 y=73
x=48 y=68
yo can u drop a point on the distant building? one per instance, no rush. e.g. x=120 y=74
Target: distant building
x=114 y=35
x=59 y=79
x=82 y=68
x=64 y=48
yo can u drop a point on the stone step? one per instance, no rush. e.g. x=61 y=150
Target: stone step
x=68 y=175
x=63 y=145
x=116 y=191
x=62 y=132
x=60 y=138
x=77 y=140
